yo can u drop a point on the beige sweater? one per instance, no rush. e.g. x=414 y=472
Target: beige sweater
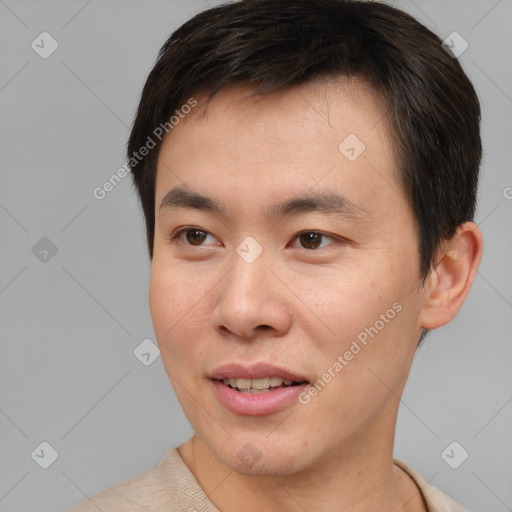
x=171 y=487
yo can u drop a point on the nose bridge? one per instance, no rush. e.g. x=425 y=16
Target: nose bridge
x=247 y=280
x=250 y=297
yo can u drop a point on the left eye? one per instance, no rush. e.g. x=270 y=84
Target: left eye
x=313 y=239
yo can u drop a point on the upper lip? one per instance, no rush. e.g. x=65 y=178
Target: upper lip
x=254 y=371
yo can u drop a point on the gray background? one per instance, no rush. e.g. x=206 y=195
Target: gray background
x=69 y=325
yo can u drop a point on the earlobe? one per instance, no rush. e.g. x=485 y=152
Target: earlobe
x=452 y=277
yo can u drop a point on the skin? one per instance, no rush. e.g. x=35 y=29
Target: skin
x=296 y=306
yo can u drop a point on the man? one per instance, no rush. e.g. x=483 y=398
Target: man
x=309 y=210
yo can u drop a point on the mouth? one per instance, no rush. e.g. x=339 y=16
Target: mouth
x=259 y=386
x=258 y=389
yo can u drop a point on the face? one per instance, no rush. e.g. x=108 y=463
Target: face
x=284 y=250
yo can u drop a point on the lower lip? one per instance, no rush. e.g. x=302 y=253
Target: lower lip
x=257 y=404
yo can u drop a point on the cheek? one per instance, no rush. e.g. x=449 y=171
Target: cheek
x=171 y=304
x=162 y=303
x=368 y=319
x=345 y=302
x=173 y=292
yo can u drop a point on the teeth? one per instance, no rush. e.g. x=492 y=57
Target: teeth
x=256 y=385
x=275 y=381
x=260 y=383
x=243 y=383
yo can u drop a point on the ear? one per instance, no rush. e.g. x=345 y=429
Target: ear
x=450 y=280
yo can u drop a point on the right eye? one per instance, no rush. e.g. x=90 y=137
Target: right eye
x=191 y=236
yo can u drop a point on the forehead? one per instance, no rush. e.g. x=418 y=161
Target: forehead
x=333 y=135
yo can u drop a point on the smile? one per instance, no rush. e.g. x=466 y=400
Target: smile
x=258 y=386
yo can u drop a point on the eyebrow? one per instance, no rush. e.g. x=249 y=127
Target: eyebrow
x=323 y=202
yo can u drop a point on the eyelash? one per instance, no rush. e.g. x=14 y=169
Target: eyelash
x=177 y=234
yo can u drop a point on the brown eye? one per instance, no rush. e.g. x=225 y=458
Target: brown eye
x=311 y=240
x=195 y=236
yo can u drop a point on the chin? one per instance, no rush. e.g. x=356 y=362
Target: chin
x=260 y=456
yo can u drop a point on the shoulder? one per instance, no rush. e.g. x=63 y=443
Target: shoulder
x=436 y=500
x=170 y=486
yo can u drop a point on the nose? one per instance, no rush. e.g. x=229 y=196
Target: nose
x=252 y=301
